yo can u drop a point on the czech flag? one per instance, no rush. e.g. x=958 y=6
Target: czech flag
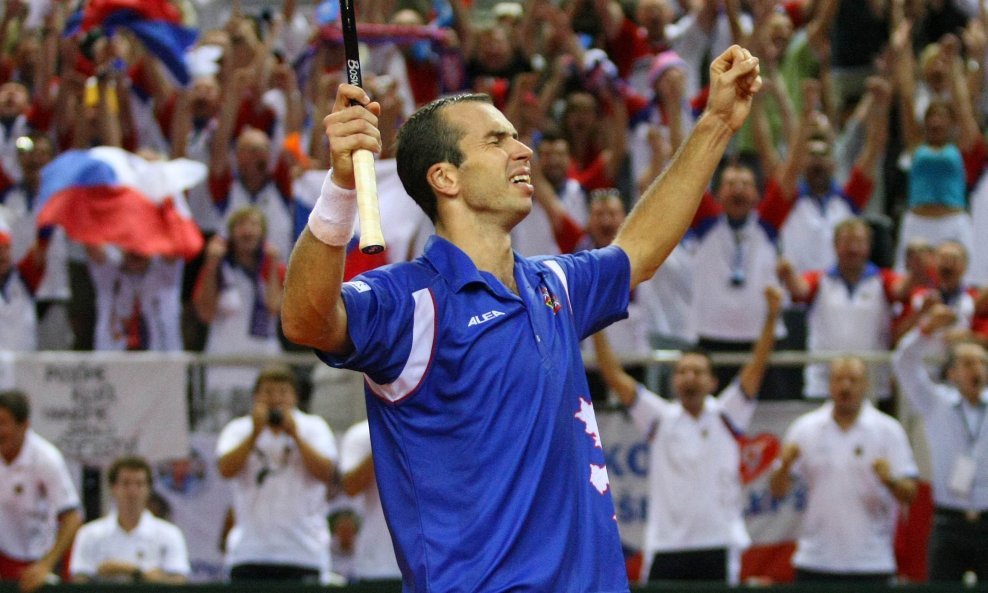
x=157 y=23
x=108 y=195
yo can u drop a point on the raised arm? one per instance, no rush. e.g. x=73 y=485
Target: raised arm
x=616 y=378
x=313 y=313
x=794 y=283
x=666 y=208
x=907 y=361
x=968 y=130
x=904 y=75
x=206 y=294
x=751 y=375
x=789 y=170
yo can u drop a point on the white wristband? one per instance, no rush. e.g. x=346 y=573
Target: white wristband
x=333 y=217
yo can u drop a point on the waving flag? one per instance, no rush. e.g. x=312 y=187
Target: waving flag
x=157 y=23
x=109 y=195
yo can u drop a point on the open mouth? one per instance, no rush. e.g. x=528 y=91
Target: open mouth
x=521 y=179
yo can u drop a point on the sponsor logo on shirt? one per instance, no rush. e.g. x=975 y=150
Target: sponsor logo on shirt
x=478 y=319
x=359 y=285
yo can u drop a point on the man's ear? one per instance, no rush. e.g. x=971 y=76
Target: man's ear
x=444 y=179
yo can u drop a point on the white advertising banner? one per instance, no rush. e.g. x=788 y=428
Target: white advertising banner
x=96 y=407
x=626 y=451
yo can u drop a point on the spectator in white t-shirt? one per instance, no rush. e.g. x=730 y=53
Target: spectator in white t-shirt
x=130 y=544
x=858 y=468
x=39 y=505
x=694 y=528
x=278 y=460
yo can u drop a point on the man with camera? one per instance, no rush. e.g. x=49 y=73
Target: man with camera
x=279 y=461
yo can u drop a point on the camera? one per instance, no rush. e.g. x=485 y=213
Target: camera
x=275 y=417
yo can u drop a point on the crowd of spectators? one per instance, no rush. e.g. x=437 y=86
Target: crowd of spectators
x=857 y=185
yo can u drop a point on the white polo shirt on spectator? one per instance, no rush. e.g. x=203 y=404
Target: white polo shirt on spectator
x=807 y=236
x=155 y=295
x=850 y=516
x=854 y=318
x=694 y=482
x=375 y=554
x=722 y=310
x=280 y=507
x=34 y=490
x=242 y=325
x=154 y=544
x=947 y=420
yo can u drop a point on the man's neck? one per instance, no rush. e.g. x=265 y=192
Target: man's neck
x=845 y=420
x=850 y=274
x=971 y=397
x=693 y=406
x=490 y=251
x=9 y=455
x=254 y=182
x=128 y=521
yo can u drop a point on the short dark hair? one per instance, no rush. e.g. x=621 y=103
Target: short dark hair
x=552 y=133
x=276 y=374
x=697 y=351
x=130 y=462
x=16 y=402
x=731 y=163
x=425 y=139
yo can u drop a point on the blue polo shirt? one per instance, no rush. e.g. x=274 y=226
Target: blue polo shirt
x=486 y=448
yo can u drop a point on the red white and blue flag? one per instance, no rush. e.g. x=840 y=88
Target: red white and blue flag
x=106 y=195
x=157 y=23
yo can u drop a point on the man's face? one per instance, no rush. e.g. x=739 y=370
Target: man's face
x=737 y=193
x=494 y=50
x=13 y=100
x=495 y=177
x=853 y=246
x=653 y=15
x=581 y=112
x=969 y=371
x=692 y=378
x=204 y=97
x=131 y=490
x=951 y=265
x=819 y=165
x=606 y=217
x=253 y=151
x=247 y=234
x=278 y=395
x=11 y=434
x=554 y=157
x=848 y=385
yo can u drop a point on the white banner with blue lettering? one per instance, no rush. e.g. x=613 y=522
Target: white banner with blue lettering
x=96 y=407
